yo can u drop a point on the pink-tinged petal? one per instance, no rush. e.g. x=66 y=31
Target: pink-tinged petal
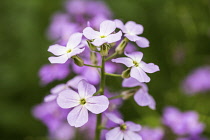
x=114 y=118
x=68 y=99
x=132 y=37
x=58 y=60
x=85 y=89
x=89 y=33
x=114 y=134
x=75 y=52
x=78 y=116
x=120 y=25
x=129 y=135
x=139 y=74
x=57 y=49
x=58 y=88
x=133 y=126
x=136 y=56
x=107 y=27
x=149 y=68
x=99 y=41
x=73 y=83
x=142 y=42
x=152 y=105
x=114 y=37
x=50 y=98
x=124 y=60
x=74 y=40
x=130 y=82
x=97 y=104
x=133 y=28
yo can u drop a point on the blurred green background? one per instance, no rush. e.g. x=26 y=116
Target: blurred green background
x=179 y=33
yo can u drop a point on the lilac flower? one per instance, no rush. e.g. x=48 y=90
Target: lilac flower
x=49 y=73
x=151 y=133
x=131 y=30
x=125 y=130
x=138 y=67
x=193 y=138
x=64 y=53
x=198 y=81
x=182 y=123
x=105 y=35
x=81 y=103
x=142 y=96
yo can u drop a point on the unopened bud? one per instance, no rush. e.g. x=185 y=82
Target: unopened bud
x=91 y=46
x=127 y=94
x=126 y=73
x=93 y=58
x=121 y=47
x=78 y=61
x=105 y=49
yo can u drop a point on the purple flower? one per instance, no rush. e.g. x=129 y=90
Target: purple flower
x=105 y=35
x=186 y=123
x=138 y=67
x=49 y=73
x=151 y=133
x=142 y=96
x=193 y=138
x=125 y=130
x=131 y=30
x=64 y=53
x=81 y=103
x=198 y=81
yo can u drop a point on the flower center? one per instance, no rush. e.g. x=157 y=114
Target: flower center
x=123 y=127
x=103 y=36
x=83 y=101
x=68 y=51
x=136 y=64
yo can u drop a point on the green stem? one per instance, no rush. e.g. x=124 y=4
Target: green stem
x=102 y=86
x=116 y=97
x=92 y=66
x=112 y=56
x=115 y=75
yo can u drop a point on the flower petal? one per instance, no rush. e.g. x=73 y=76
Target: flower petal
x=129 y=135
x=73 y=83
x=133 y=28
x=142 y=42
x=149 y=68
x=75 y=51
x=139 y=74
x=114 y=37
x=58 y=88
x=89 y=33
x=107 y=27
x=124 y=60
x=74 y=40
x=120 y=25
x=58 y=60
x=114 y=118
x=114 y=134
x=133 y=126
x=57 y=49
x=85 y=89
x=78 y=116
x=68 y=99
x=132 y=37
x=99 y=41
x=130 y=82
x=97 y=104
x=136 y=56
x=50 y=98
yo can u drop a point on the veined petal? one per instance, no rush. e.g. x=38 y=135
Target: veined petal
x=114 y=118
x=78 y=116
x=120 y=25
x=130 y=82
x=74 y=40
x=57 y=49
x=114 y=134
x=136 y=56
x=99 y=41
x=136 y=30
x=133 y=126
x=89 y=33
x=107 y=27
x=132 y=37
x=142 y=42
x=68 y=99
x=58 y=60
x=85 y=89
x=73 y=83
x=58 y=88
x=129 y=135
x=75 y=51
x=139 y=74
x=124 y=60
x=114 y=37
x=149 y=68
x=97 y=104
x=50 y=98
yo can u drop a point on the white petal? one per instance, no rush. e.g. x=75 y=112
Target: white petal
x=50 y=98
x=78 y=116
x=136 y=56
x=99 y=41
x=130 y=82
x=142 y=98
x=58 y=88
x=120 y=25
x=114 y=37
x=73 y=83
x=132 y=37
x=133 y=126
x=129 y=135
x=114 y=134
x=68 y=99
x=89 y=33
x=97 y=104
x=85 y=89
x=149 y=68
x=114 y=118
x=75 y=51
x=142 y=42
x=107 y=27
x=133 y=28
x=139 y=74
x=58 y=60
x=124 y=60
x=57 y=49
x=74 y=40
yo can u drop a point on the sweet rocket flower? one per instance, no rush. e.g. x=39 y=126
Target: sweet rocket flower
x=138 y=67
x=81 y=103
x=152 y=133
x=142 y=96
x=105 y=35
x=193 y=138
x=64 y=53
x=131 y=30
x=125 y=130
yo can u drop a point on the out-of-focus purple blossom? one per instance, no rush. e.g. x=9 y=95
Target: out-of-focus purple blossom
x=185 y=123
x=152 y=133
x=193 y=138
x=51 y=72
x=197 y=81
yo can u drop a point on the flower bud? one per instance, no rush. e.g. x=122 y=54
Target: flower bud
x=78 y=61
x=127 y=94
x=126 y=73
x=91 y=46
x=93 y=58
x=121 y=47
x=105 y=49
